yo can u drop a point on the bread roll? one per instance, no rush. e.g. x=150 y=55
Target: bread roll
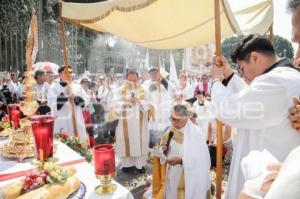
x=54 y=191
x=12 y=190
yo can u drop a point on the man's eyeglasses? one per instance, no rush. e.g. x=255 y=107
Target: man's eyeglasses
x=172 y=119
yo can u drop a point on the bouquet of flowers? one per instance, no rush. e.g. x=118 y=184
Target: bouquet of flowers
x=76 y=144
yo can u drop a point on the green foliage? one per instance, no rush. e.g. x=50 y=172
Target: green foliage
x=76 y=144
x=283 y=47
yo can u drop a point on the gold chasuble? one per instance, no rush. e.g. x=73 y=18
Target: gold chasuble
x=169 y=183
x=160 y=170
x=132 y=130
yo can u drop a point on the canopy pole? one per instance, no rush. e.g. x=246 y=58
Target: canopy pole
x=271 y=34
x=64 y=46
x=219 y=124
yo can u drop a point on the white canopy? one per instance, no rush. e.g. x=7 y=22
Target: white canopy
x=170 y=24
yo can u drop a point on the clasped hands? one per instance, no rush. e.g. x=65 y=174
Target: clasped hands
x=294 y=114
x=174 y=160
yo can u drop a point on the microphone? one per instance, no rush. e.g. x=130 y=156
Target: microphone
x=132 y=94
x=171 y=134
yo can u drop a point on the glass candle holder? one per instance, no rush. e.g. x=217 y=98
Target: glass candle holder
x=14 y=115
x=42 y=129
x=105 y=167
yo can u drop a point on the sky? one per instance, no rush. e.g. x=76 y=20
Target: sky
x=282 y=20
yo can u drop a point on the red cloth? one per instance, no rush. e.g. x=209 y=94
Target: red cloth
x=87 y=117
x=88 y=125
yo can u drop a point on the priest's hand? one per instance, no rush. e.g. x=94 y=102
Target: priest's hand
x=174 y=161
x=134 y=101
x=221 y=68
x=294 y=114
x=268 y=181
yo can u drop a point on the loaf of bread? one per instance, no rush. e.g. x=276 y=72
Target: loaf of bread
x=54 y=191
x=14 y=189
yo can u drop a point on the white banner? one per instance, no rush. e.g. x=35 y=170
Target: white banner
x=198 y=59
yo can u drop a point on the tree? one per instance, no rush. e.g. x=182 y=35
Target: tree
x=283 y=47
x=228 y=46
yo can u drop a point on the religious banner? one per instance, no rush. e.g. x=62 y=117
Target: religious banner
x=198 y=59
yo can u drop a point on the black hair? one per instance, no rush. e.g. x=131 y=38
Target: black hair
x=92 y=85
x=251 y=43
x=293 y=5
x=62 y=68
x=200 y=92
x=38 y=73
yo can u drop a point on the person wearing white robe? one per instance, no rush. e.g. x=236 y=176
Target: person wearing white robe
x=132 y=136
x=160 y=99
x=258 y=109
x=185 y=87
x=41 y=88
x=188 y=161
x=58 y=101
x=282 y=180
x=202 y=108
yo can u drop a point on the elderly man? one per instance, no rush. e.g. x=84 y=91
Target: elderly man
x=250 y=107
x=132 y=111
x=187 y=160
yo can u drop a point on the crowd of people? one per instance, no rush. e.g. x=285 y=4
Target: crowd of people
x=257 y=105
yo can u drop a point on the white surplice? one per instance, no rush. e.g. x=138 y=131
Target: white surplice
x=195 y=167
x=132 y=134
x=160 y=99
x=204 y=114
x=63 y=122
x=260 y=112
x=287 y=183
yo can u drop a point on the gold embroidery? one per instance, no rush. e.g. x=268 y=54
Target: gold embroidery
x=112 y=9
x=177 y=137
x=140 y=91
x=125 y=130
x=181 y=187
x=141 y=131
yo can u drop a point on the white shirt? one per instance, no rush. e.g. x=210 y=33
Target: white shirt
x=260 y=112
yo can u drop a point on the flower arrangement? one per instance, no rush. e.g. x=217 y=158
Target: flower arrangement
x=76 y=144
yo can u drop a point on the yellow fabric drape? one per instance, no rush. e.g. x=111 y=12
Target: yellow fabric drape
x=158 y=179
x=168 y=24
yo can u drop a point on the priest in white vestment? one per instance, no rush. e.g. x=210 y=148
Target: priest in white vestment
x=160 y=99
x=258 y=109
x=188 y=161
x=202 y=108
x=58 y=101
x=132 y=133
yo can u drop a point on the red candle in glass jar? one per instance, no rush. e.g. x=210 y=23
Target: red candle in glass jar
x=14 y=115
x=42 y=128
x=104 y=159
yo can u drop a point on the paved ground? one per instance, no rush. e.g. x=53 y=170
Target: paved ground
x=137 y=183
